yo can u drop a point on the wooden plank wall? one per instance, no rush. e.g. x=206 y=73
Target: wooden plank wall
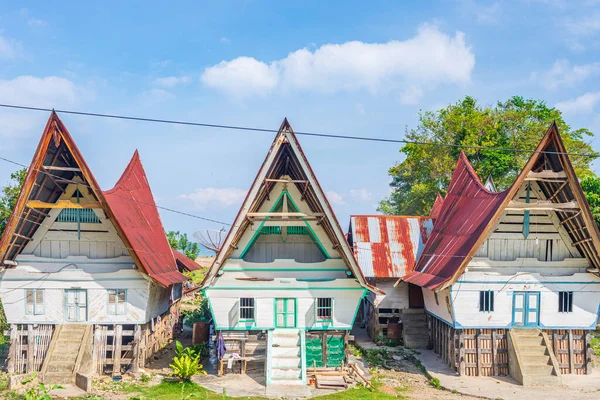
x=28 y=346
x=472 y=352
x=378 y=320
x=572 y=349
x=116 y=348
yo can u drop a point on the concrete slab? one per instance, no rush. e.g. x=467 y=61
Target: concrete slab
x=574 y=386
x=66 y=392
x=237 y=385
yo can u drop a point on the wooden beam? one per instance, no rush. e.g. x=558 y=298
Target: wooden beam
x=22 y=236
x=561 y=187
x=571 y=354
x=57 y=168
x=286 y=180
x=40 y=212
x=564 y=221
x=546 y=174
x=281 y=214
x=542 y=205
x=581 y=241
x=61 y=204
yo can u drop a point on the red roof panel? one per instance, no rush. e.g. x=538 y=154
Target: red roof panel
x=133 y=206
x=464 y=215
x=387 y=246
x=185 y=262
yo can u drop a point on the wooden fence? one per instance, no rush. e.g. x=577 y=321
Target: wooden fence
x=472 y=352
x=573 y=350
x=28 y=346
x=119 y=347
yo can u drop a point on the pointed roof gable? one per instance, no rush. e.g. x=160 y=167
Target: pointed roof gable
x=285 y=157
x=57 y=162
x=470 y=211
x=133 y=207
x=437 y=206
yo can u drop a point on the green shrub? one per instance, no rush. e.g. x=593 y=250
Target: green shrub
x=185 y=367
x=199 y=314
x=435 y=382
x=198 y=350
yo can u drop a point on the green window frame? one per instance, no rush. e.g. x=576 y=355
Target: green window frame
x=324 y=309
x=247 y=309
x=117 y=301
x=34 y=302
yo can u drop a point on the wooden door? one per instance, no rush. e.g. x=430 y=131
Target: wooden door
x=526 y=309
x=285 y=313
x=415 y=296
x=75 y=305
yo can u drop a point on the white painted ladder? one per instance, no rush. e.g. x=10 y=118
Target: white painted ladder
x=286 y=357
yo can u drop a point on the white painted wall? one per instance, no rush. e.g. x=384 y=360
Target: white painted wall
x=76 y=272
x=394 y=297
x=585 y=288
x=442 y=307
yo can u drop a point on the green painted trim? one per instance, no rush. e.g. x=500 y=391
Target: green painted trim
x=303 y=356
x=312 y=233
x=270 y=328
x=285 y=312
x=255 y=269
x=280 y=288
x=214 y=317
x=257 y=233
x=365 y=291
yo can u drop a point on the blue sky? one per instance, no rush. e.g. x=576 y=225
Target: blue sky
x=351 y=67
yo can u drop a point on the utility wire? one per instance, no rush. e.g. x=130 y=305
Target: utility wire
x=123 y=197
x=313 y=134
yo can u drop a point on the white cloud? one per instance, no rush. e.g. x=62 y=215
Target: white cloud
x=361 y=194
x=583 y=104
x=154 y=96
x=38 y=23
x=9 y=49
x=172 y=81
x=563 y=74
x=335 y=198
x=52 y=91
x=412 y=95
x=425 y=60
x=489 y=14
x=225 y=40
x=213 y=197
x=585 y=26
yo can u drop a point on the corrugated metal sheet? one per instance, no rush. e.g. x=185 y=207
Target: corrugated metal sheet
x=184 y=261
x=133 y=206
x=387 y=246
x=465 y=213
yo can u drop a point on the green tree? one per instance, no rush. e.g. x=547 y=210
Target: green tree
x=591 y=187
x=517 y=123
x=8 y=196
x=179 y=241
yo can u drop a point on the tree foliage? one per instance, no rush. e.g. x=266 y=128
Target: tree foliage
x=8 y=196
x=591 y=187
x=517 y=123
x=179 y=241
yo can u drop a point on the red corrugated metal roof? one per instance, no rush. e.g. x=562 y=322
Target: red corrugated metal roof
x=437 y=206
x=184 y=261
x=133 y=206
x=387 y=246
x=465 y=213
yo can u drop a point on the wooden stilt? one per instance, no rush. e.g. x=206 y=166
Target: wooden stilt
x=30 y=348
x=494 y=354
x=135 y=363
x=117 y=343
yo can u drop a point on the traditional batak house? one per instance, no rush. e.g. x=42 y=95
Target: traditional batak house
x=510 y=279
x=286 y=270
x=89 y=282
x=386 y=248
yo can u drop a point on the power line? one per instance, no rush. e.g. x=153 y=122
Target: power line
x=313 y=134
x=123 y=197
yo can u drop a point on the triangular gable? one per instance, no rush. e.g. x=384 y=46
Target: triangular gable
x=286 y=158
x=437 y=206
x=490 y=185
x=58 y=163
x=449 y=249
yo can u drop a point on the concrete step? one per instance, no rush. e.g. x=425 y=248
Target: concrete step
x=550 y=380
x=526 y=332
x=413 y=311
x=285 y=351
x=286 y=340
x=286 y=381
x=533 y=360
x=416 y=331
x=63 y=356
x=285 y=362
x=530 y=341
x=286 y=373
x=59 y=378
x=532 y=350
x=61 y=366
x=537 y=370
x=413 y=318
x=416 y=343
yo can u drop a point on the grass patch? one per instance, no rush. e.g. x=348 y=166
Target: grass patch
x=595 y=343
x=358 y=393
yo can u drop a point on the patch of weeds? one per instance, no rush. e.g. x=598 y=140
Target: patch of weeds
x=420 y=365
x=595 y=343
x=435 y=382
x=454 y=391
x=376 y=383
x=376 y=357
x=355 y=350
x=145 y=378
x=3 y=382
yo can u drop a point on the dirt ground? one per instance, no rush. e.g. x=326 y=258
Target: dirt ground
x=405 y=379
